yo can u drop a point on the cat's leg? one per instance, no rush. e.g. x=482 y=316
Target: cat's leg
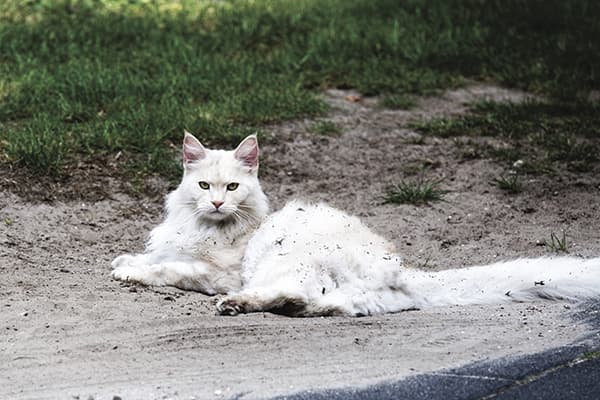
x=272 y=300
x=256 y=301
x=194 y=275
x=303 y=301
x=127 y=265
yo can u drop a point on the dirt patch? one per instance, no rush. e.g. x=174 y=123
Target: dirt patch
x=95 y=179
x=69 y=330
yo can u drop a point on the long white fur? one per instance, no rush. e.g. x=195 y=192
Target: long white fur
x=312 y=259
x=322 y=261
x=195 y=247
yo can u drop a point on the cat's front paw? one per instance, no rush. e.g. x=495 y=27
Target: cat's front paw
x=130 y=260
x=126 y=274
x=122 y=260
x=230 y=307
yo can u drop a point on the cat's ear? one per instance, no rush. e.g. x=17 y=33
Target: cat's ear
x=247 y=152
x=192 y=149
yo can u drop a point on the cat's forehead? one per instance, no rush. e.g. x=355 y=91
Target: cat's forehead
x=218 y=166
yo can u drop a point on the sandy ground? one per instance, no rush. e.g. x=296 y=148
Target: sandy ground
x=69 y=331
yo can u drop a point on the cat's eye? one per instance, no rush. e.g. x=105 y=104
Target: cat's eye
x=232 y=186
x=204 y=185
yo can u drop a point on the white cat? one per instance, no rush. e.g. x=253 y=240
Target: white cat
x=209 y=219
x=311 y=259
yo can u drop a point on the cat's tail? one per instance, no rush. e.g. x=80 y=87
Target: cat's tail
x=391 y=288
x=560 y=278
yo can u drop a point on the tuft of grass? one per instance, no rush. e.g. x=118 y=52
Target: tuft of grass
x=443 y=127
x=510 y=183
x=579 y=155
x=557 y=244
x=426 y=264
x=416 y=193
x=326 y=128
x=591 y=355
x=416 y=140
x=398 y=101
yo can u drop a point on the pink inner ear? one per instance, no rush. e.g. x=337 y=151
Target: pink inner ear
x=247 y=152
x=192 y=149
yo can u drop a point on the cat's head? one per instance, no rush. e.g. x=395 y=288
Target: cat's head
x=221 y=184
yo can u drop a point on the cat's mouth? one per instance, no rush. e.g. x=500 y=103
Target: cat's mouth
x=217 y=215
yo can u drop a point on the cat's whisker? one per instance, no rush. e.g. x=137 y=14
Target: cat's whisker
x=189 y=220
x=251 y=215
x=186 y=203
x=246 y=220
x=240 y=219
x=242 y=208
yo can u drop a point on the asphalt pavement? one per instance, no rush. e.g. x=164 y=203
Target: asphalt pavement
x=564 y=373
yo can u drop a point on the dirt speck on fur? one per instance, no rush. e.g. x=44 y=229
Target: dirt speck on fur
x=86 y=335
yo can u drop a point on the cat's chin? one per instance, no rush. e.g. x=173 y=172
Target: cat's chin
x=217 y=216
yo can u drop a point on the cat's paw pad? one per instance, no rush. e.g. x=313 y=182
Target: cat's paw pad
x=230 y=307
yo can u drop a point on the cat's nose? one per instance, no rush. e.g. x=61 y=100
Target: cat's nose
x=217 y=204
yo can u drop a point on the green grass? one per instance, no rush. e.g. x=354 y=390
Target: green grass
x=591 y=355
x=546 y=136
x=83 y=79
x=326 y=128
x=416 y=193
x=398 y=101
x=510 y=183
x=557 y=244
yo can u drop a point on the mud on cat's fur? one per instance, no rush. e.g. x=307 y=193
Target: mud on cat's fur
x=312 y=259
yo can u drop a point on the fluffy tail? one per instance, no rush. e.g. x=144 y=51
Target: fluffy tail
x=562 y=278
x=390 y=288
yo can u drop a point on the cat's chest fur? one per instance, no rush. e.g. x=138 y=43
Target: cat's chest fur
x=221 y=247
